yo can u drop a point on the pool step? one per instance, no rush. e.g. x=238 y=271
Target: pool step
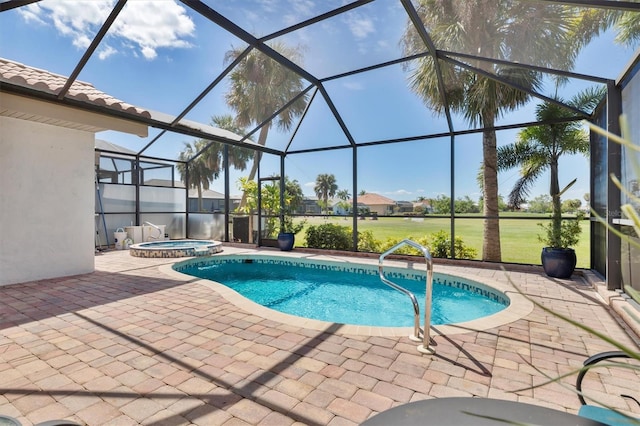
x=201 y=251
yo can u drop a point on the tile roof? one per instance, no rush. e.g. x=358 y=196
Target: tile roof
x=110 y=146
x=15 y=73
x=374 y=199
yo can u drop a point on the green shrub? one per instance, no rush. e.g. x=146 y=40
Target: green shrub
x=406 y=249
x=390 y=242
x=329 y=236
x=562 y=234
x=440 y=246
x=336 y=237
x=367 y=242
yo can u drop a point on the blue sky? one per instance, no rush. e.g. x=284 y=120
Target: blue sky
x=160 y=55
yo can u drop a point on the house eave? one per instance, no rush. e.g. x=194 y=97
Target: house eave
x=41 y=111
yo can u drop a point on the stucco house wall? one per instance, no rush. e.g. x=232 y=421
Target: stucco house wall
x=376 y=203
x=46 y=201
x=380 y=209
x=47 y=166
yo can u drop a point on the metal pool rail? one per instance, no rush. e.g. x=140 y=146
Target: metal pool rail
x=424 y=348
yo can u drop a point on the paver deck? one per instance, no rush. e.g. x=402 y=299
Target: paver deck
x=132 y=344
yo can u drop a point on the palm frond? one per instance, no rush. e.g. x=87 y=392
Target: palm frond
x=588 y=99
x=523 y=185
x=628 y=27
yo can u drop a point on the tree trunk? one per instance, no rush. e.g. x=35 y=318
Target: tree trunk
x=491 y=231
x=199 y=198
x=262 y=140
x=556 y=210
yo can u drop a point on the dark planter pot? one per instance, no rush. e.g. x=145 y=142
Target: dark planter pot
x=286 y=241
x=558 y=262
x=269 y=242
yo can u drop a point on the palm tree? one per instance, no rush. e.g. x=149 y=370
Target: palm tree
x=237 y=156
x=324 y=188
x=539 y=148
x=628 y=27
x=200 y=175
x=343 y=194
x=293 y=194
x=204 y=169
x=503 y=30
x=259 y=87
x=344 y=197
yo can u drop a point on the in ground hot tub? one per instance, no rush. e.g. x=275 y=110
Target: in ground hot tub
x=176 y=248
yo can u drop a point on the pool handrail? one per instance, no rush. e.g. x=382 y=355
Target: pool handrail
x=157 y=228
x=424 y=348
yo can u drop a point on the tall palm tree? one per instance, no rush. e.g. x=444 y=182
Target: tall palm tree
x=293 y=194
x=343 y=194
x=200 y=175
x=344 y=197
x=204 y=169
x=259 y=87
x=525 y=32
x=538 y=148
x=324 y=188
x=237 y=156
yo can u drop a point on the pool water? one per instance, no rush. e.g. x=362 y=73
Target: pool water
x=177 y=244
x=349 y=298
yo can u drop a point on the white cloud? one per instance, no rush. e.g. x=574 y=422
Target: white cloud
x=303 y=8
x=81 y=41
x=400 y=192
x=106 y=51
x=359 y=26
x=350 y=85
x=144 y=26
x=268 y=5
x=152 y=25
x=383 y=44
x=30 y=13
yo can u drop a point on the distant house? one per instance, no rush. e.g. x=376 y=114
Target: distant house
x=425 y=205
x=377 y=204
x=163 y=182
x=404 y=207
x=339 y=207
x=118 y=168
x=117 y=164
x=309 y=206
x=212 y=201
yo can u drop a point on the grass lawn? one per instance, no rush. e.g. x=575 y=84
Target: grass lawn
x=518 y=237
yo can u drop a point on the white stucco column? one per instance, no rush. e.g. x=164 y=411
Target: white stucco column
x=47 y=196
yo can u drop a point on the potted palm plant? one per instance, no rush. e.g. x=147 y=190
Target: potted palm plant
x=558 y=257
x=538 y=149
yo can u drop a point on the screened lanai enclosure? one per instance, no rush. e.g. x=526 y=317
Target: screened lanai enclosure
x=389 y=119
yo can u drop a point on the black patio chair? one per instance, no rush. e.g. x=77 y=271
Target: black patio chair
x=598 y=413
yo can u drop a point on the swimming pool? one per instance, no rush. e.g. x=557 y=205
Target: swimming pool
x=175 y=248
x=346 y=293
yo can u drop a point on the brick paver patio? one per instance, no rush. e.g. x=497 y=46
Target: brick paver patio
x=130 y=344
